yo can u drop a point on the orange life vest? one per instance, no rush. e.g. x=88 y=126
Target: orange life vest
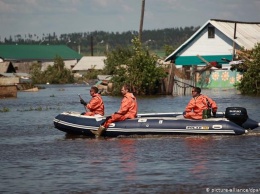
x=128 y=106
x=95 y=105
x=195 y=107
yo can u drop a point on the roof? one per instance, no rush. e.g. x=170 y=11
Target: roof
x=7 y=75
x=24 y=75
x=247 y=34
x=22 y=67
x=90 y=62
x=6 y=67
x=3 y=67
x=68 y=64
x=37 y=52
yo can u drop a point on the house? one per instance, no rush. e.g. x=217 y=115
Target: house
x=216 y=41
x=88 y=63
x=23 y=56
x=7 y=67
x=68 y=64
x=8 y=80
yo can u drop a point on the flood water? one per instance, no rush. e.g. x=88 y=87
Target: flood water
x=37 y=158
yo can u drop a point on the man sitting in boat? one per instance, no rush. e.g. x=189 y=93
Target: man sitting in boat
x=95 y=105
x=199 y=104
x=128 y=110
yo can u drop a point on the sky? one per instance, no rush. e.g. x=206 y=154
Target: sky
x=68 y=16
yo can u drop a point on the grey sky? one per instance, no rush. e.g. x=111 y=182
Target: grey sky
x=68 y=16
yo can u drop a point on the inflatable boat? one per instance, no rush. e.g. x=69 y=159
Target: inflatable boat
x=234 y=121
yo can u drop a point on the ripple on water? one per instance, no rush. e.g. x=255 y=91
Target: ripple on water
x=36 y=157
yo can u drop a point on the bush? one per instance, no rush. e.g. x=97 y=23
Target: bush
x=56 y=74
x=134 y=66
x=250 y=83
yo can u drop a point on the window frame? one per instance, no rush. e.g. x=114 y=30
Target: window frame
x=211 y=32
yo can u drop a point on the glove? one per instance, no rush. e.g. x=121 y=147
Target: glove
x=109 y=117
x=83 y=102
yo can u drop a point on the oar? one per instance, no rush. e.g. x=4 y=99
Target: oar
x=80 y=97
x=83 y=100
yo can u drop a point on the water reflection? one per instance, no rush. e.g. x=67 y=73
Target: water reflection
x=198 y=148
x=128 y=158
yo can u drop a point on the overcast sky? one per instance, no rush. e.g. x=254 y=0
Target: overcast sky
x=68 y=16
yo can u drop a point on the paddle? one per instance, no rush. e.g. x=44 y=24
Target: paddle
x=81 y=100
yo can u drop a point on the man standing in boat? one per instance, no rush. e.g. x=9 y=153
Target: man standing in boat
x=200 y=105
x=128 y=110
x=95 y=105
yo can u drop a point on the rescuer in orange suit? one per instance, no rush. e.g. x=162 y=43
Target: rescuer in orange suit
x=198 y=103
x=128 y=110
x=95 y=105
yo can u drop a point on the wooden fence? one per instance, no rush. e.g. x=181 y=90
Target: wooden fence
x=182 y=86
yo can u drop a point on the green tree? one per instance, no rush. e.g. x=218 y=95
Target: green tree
x=250 y=83
x=36 y=74
x=135 y=66
x=56 y=74
x=168 y=49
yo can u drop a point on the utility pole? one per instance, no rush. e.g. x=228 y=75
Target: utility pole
x=141 y=21
x=91 y=45
x=234 y=44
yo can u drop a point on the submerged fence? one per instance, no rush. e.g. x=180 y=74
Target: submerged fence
x=182 y=86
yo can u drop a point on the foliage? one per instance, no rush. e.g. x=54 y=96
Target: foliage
x=92 y=74
x=242 y=55
x=5 y=109
x=250 y=83
x=36 y=74
x=168 y=50
x=134 y=66
x=56 y=74
x=39 y=108
x=102 y=41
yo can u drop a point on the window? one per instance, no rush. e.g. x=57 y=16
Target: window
x=211 y=32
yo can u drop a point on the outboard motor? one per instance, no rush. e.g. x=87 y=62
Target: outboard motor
x=237 y=115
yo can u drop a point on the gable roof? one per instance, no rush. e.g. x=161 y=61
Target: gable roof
x=68 y=64
x=7 y=67
x=90 y=62
x=247 y=34
x=37 y=52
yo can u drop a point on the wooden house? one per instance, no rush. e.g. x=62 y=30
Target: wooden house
x=216 y=41
x=88 y=63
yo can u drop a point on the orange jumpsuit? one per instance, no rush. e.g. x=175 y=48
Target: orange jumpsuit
x=128 y=110
x=95 y=106
x=195 y=107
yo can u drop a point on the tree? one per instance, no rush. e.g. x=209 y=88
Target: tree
x=250 y=83
x=56 y=74
x=36 y=74
x=135 y=66
x=168 y=49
